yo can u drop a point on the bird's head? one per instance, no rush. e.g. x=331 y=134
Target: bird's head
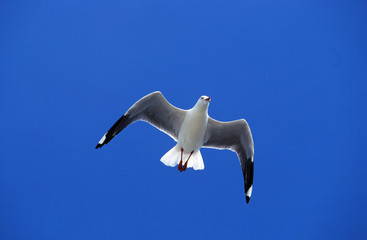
x=203 y=102
x=205 y=99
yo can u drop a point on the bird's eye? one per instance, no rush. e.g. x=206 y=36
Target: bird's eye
x=202 y=98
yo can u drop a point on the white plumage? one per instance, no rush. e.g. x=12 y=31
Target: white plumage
x=191 y=129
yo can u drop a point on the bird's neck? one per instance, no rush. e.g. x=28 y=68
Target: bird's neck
x=199 y=107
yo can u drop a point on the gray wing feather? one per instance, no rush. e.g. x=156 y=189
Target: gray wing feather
x=154 y=109
x=235 y=136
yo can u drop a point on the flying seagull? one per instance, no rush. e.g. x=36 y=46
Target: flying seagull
x=191 y=129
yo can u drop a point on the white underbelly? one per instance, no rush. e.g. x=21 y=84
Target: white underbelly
x=191 y=135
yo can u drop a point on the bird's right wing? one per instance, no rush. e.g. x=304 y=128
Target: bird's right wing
x=154 y=109
x=235 y=136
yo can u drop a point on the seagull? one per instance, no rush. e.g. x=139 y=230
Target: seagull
x=191 y=129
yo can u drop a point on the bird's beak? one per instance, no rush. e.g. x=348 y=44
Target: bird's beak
x=208 y=99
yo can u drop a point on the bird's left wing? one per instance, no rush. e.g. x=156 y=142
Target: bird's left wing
x=154 y=109
x=235 y=136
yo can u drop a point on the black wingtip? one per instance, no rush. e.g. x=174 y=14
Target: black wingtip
x=99 y=145
x=247 y=199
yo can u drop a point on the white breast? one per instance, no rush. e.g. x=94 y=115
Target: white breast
x=193 y=129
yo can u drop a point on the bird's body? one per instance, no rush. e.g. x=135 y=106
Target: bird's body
x=191 y=129
x=190 y=139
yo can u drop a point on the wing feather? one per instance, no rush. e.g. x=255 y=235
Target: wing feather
x=154 y=109
x=235 y=136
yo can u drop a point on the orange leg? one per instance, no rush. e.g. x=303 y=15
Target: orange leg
x=185 y=166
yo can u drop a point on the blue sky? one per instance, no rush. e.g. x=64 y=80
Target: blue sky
x=295 y=70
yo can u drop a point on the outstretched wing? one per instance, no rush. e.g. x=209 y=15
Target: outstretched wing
x=154 y=109
x=235 y=136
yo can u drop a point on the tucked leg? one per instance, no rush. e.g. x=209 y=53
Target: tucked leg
x=180 y=164
x=185 y=166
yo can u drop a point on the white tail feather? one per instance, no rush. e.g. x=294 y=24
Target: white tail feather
x=172 y=158
x=196 y=161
